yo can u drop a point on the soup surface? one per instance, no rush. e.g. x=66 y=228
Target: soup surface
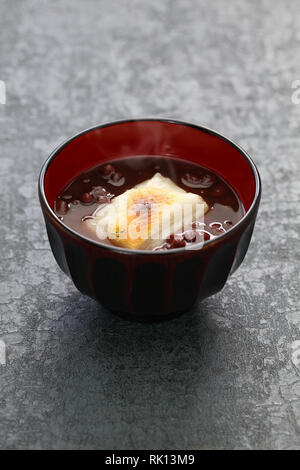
x=80 y=204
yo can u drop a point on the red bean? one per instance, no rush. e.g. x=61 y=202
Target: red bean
x=61 y=206
x=101 y=195
x=228 y=223
x=176 y=241
x=191 y=178
x=215 y=225
x=98 y=191
x=117 y=179
x=207 y=180
x=107 y=170
x=204 y=180
x=205 y=235
x=87 y=198
x=190 y=236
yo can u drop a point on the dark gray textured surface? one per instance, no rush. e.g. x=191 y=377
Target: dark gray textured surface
x=227 y=374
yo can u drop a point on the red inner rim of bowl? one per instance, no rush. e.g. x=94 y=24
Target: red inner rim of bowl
x=150 y=138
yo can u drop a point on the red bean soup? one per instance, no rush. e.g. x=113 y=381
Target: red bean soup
x=92 y=190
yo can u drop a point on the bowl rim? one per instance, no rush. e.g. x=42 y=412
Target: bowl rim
x=246 y=217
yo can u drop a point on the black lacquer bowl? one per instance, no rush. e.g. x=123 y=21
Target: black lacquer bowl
x=139 y=284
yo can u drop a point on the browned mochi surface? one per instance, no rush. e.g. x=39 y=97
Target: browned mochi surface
x=146 y=215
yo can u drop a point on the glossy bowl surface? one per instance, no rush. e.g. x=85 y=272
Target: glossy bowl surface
x=142 y=284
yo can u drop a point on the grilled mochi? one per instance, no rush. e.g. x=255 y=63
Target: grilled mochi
x=143 y=217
